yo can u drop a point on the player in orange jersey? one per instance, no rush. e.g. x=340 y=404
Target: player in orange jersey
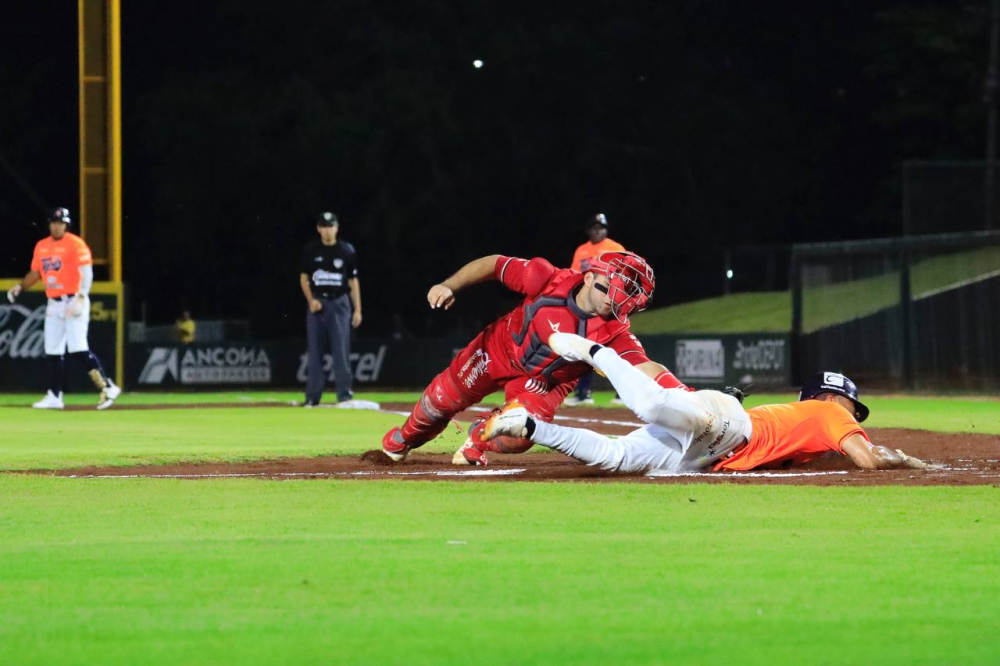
x=694 y=430
x=63 y=262
x=598 y=242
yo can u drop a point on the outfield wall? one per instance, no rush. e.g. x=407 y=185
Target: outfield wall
x=383 y=363
x=916 y=312
x=949 y=350
x=699 y=360
x=702 y=361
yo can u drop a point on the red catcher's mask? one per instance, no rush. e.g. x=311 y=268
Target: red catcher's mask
x=630 y=282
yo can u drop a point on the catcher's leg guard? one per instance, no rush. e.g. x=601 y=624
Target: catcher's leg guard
x=440 y=401
x=465 y=382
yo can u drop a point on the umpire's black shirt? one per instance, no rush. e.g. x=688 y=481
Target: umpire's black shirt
x=329 y=267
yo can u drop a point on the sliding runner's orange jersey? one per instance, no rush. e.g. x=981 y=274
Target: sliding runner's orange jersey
x=793 y=433
x=59 y=261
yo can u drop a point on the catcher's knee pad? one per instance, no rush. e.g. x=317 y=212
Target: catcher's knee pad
x=440 y=401
x=541 y=406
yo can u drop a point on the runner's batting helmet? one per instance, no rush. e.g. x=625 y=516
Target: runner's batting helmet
x=60 y=215
x=833 y=382
x=630 y=282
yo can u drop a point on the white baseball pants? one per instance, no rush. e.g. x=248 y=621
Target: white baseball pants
x=686 y=431
x=63 y=332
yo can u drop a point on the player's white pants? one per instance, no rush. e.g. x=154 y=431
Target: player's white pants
x=65 y=333
x=686 y=430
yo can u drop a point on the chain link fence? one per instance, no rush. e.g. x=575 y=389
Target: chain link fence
x=918 y=312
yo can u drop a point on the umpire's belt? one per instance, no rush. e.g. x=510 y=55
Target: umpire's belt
x=328 y=297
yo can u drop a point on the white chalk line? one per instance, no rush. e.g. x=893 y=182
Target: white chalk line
x=770 y=475
x=467 y=472
x=471 y=472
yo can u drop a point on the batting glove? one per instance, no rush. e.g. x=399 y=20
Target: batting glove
x=13 y=293
x=75 y=307
x=917 y=463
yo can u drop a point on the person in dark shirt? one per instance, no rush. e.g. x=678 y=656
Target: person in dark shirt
x=328 y=275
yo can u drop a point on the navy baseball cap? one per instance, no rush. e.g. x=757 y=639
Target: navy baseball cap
x=327 y=219
x=599 y=220
x=60 y=215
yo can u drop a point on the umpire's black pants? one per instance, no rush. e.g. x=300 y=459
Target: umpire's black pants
x=332 y=323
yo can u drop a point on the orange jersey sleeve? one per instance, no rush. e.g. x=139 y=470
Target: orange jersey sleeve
x=589 y=250
x=59 y=262
x=793 y=433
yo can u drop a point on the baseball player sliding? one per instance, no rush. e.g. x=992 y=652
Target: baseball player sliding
x=63 y=262
x=511 y=353
x=695 y=430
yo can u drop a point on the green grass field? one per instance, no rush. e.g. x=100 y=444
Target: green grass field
x=125 y=571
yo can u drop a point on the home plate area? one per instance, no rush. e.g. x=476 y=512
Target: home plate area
x=968 y=459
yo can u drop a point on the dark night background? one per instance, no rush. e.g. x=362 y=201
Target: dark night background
x=696 y=126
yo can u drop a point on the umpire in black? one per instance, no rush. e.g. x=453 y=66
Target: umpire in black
x=328 y=275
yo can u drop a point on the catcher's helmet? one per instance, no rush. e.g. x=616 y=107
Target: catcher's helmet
x=60 y=215
x=630 y=282
x=833 y=382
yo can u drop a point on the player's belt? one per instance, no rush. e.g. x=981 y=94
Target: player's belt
x=328 y=297
x=62 y=298
x=738 y=449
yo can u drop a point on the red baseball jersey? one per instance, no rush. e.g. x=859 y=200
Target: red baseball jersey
x=550 y=306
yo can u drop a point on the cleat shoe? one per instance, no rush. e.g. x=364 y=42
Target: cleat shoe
x=576 y=401
x=512 y=420
x=109 y=394
x=50 y=401
x=394 y=446
x=468 y=454
x=572 y=347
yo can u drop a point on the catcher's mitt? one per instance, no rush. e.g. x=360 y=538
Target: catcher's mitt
x=738 y=393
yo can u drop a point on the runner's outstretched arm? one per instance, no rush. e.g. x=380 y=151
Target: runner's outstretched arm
x=866 y=455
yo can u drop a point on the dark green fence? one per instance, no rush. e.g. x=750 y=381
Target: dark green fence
x=916 y=312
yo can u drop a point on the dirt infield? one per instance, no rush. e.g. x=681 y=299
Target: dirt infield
x=969 y=460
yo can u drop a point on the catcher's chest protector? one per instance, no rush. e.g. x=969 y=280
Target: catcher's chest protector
x=555 y=309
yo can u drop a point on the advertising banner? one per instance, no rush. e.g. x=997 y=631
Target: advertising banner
x=22 y=342
x=703 y=361
x=282 y=364
x=736 y=359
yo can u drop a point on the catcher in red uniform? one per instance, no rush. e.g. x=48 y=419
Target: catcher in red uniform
x=512 y=353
